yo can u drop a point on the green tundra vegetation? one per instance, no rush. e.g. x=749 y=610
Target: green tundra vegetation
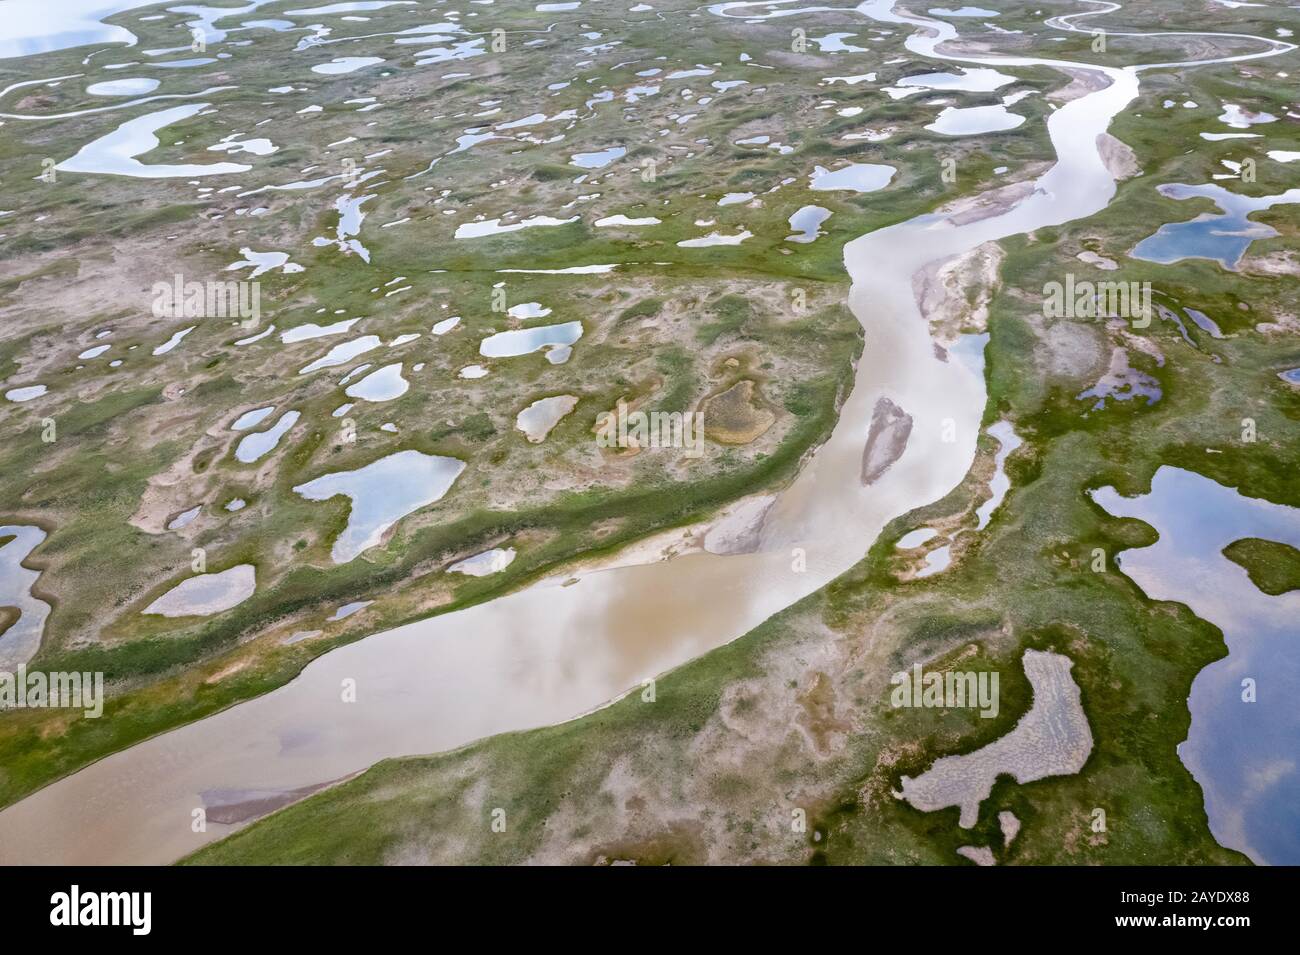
x=781 y=746
x=140 y=443
x=792 y=721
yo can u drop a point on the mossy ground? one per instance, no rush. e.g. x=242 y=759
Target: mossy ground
x=792 y=720
x=140 y=443
x=791 y=716
x=1273 y=567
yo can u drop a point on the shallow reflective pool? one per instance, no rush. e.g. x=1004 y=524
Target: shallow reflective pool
x=255 y=446
x=19 y=642
x=855 y=177
x=524 y=341
x=537 y=420
x=969 y=120
x=383 y=384
x=382 y=493
x=207 y=594
x=132 y=86
x=481 y=565
x=114 y=153
x=1242 y=753
x=1222 y=238
x=599 y=159
x=808 y=221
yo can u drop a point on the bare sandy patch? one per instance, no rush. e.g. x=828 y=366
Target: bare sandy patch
x=1052 y=739
x=890 y=428
x=1119 y=159
x=954 y=294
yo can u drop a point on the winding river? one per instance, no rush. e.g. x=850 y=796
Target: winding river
x=552 y=652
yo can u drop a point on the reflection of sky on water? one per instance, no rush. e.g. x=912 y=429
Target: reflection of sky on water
x=19 y=642
x=1244 y=755
x=808 y=221
x=115 y=153
x=1223 y=238
x=524 y=341
x=382 y=493
x=966 y=121
x=29 y=26
x=207 y=594
x=855 y=177
x=1122 y=382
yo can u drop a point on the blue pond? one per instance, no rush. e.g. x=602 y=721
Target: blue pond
x=1223 y=238
x=1241 y=745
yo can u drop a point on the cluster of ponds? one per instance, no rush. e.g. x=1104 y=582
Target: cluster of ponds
x=1122 y=382
x=524 y=660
